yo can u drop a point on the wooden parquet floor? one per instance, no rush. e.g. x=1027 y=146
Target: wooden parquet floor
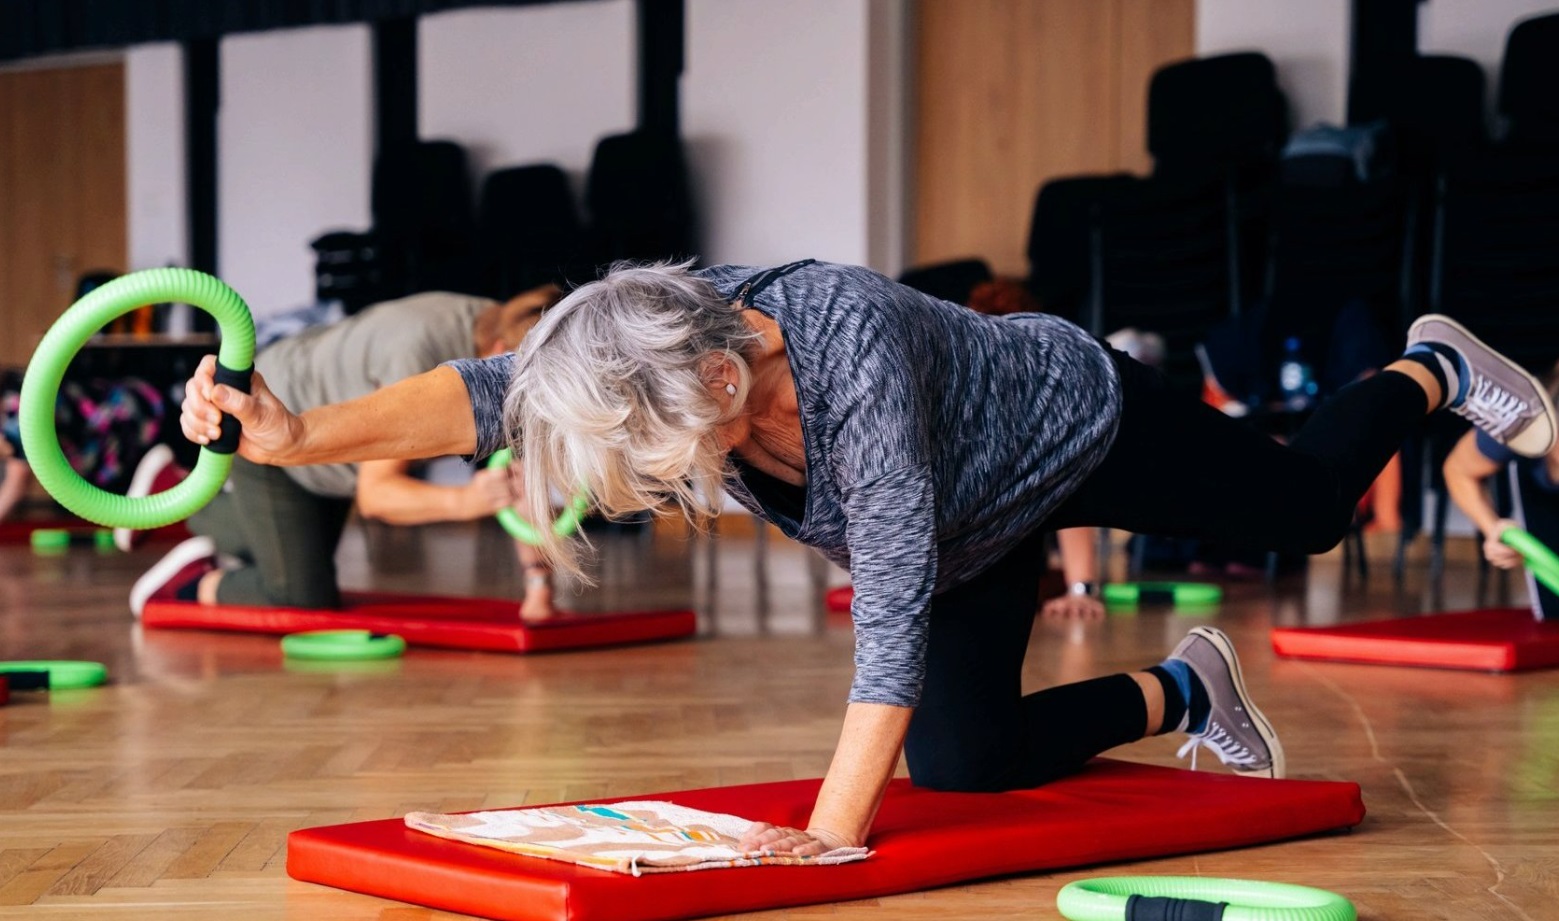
x=169 y=793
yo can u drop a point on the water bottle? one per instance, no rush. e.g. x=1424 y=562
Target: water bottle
x=1295 y=378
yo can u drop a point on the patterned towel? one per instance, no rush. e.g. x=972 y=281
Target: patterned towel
x=633 y=838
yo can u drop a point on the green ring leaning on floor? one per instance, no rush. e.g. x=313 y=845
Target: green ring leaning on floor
x=520 y=529
x=1539 y=558
x=41 y=387
x=1106 y=899
x=63 y=675
x=1186 y=593
x=342 y=645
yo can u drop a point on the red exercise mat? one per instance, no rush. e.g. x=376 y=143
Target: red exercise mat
x=838 y=599
x=5 y=690
x=1493 y=640
x=1112 y=811
x=432 y=620
x=19 y=531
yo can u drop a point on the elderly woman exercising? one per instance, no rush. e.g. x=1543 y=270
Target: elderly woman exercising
x=922 y=446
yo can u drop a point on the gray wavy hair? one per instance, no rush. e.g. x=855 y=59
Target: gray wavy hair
x=611 y=393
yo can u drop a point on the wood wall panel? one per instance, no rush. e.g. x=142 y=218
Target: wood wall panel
x=62 y=192
x=1010 y=93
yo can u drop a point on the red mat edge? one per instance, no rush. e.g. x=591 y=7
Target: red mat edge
x=1333 y=643
x=564 y=633
x=320 y=847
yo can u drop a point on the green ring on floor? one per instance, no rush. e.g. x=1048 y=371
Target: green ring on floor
x=64 y=675
x=1104 y=899
x=342 y=645
x=1178 y=593
x=1540 y=559
x=520 y=529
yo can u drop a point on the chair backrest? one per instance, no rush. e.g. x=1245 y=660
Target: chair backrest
x=528 y=230
x=423 y=217
x=1529 y=76
x=1496 y=263
x=638 y=198
x=949 y=281
x=1215 y=113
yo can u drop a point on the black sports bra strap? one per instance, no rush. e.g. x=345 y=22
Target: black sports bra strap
x=763 y=279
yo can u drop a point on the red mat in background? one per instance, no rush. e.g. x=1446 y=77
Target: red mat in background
x=20 y=531
x=1112 y=811
x=432 y=620
x=1493 y=640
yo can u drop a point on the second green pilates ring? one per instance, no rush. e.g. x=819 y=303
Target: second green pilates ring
x=520 y=529
x=61 y=675
x=1195 y=898
x=1540 y=559
x=342 y=645
x=1179 y=593
x=41 y=387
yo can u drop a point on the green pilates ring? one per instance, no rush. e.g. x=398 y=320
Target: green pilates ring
x=1177 y=593
x=41 y=387
x=342 y=645
x=1120 y=898
x=62 y=675
x=1541 y=560
x=520 y=529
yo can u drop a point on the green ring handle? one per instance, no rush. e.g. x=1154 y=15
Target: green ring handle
x=520 y=529
x=63 y=675
x=342 y=645
x=1541 y=560
x=41 y=387
x=1178 y=593
x=1105 y=899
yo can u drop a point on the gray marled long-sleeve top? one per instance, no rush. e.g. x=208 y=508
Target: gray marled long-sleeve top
x=935 y=439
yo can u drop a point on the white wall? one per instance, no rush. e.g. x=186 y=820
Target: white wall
x=529 y=84
x=295 y=136
x=154 y=155
x=775 y=115
x=1307 y=40
x=793 y=114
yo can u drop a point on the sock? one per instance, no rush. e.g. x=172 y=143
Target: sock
x=1447 y=366
x=189 y=591
x=1186 y=706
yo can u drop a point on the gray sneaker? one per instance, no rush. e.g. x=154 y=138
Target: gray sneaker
x=1236 y=731
x=1499 y=397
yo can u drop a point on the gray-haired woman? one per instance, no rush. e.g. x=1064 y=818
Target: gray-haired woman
x=922 y=446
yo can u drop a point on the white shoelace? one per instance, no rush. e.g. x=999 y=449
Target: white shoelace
x=1225 y=746
x=1492 y=408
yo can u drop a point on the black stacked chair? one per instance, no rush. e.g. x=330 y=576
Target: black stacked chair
x=1495 y=251
x=949 y=281
x=1061 y=241
x=1179 y=251
x=639 y=200
x=528 y=231
x=423 y=217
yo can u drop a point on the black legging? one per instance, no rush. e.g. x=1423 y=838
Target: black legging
x=1177 y=468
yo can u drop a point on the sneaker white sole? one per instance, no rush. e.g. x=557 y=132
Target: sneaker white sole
x=187 y=552
x=1536 y=439
x=1269 y=735
x=158 y=458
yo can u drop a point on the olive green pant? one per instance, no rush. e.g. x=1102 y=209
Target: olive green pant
x=284 y=536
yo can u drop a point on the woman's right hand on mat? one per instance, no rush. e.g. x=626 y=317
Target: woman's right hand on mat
x=270 y=430
x=1498 y=554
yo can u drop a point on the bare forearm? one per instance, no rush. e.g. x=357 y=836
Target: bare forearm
x=14 y=486
x=1079 y=554
x=1470 y=497
x=864 y=762
x=428 y=415
x=406 y=500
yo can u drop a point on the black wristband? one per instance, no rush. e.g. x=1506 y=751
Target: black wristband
x=1146 y=908
x=227 y=442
